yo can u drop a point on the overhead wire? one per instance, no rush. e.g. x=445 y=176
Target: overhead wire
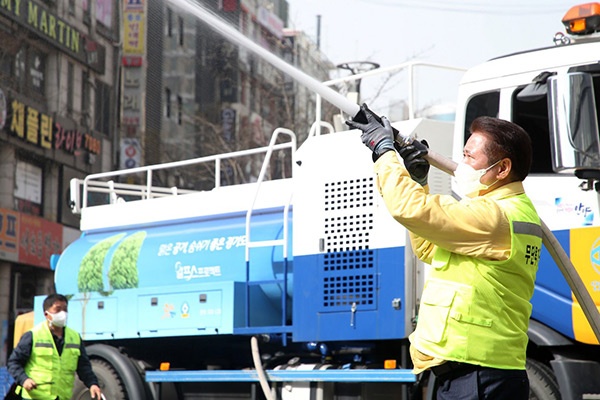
x=476 y=7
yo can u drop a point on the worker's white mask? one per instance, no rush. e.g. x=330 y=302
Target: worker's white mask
x=468 y=179
x=59 y=319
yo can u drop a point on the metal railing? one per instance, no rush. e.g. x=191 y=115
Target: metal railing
x=104 y=182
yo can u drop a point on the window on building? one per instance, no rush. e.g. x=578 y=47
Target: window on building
x=168 y=103
x=20 y=69
x=179 y=110
x=72 y=7
x=104 y=12
x=70 y=87
x=85 y=99
x=202 y=51
x=181 y=31
x=6 y=66
x=102 y=111
x=86 y=11
x=244 y=22
x=29 y=187
x=169 y=22
x=244 y=88
x=30 y=72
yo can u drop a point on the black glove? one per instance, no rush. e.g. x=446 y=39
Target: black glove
x=379 y=137
x=413 y=154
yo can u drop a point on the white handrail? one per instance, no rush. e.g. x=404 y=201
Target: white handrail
x=259 y=181
x=99 y=182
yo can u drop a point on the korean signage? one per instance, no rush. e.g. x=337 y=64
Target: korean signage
x=44 y=23
x=134 y=39
x=28 y=239
x=134 y=31
x=40 y=129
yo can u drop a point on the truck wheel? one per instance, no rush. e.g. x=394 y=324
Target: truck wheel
x=108 y=380
x=542 y=382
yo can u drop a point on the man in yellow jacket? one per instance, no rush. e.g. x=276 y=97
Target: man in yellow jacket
x=47 y=357
x=484 y=249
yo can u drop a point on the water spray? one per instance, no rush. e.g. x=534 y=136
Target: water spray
x=335 y=98
x=236 y=37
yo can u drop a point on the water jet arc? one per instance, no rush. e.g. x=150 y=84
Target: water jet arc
x=237 y=37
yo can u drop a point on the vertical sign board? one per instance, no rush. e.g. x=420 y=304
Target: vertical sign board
x=9 y=235
x=132 y=111
x=131 y=153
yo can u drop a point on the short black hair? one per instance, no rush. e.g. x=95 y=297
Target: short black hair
x=508 y=140
x=53 y=298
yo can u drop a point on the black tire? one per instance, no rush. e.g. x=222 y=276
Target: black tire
x=108 y=380
x=542 y=382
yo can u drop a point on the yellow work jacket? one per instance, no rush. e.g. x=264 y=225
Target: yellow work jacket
x=53 y=374
x=477 y=311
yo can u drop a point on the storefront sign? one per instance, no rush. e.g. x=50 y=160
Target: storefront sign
x=38 y=240
x=40 y=129
x=43 y=22
x=28 y=239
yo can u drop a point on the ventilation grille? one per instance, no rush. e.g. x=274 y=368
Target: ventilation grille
x=349 y=217
x=348 y=278
x=348 y=263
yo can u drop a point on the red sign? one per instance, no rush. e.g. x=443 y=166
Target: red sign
x=28 y=239
x=132 y=61
x=38 y=240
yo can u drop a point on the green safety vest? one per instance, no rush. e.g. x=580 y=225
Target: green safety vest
x=45 y=365
x=477 y=311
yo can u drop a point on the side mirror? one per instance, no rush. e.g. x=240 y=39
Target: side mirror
x=575 y=141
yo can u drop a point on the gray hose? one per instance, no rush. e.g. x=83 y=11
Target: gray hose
x=262 y=377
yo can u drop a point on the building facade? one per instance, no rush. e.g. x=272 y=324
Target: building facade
x=203 y=95
x=91 y=86
x=58 y=68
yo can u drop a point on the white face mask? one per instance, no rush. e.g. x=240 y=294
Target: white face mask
x=468 y=179
x=59 y=319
